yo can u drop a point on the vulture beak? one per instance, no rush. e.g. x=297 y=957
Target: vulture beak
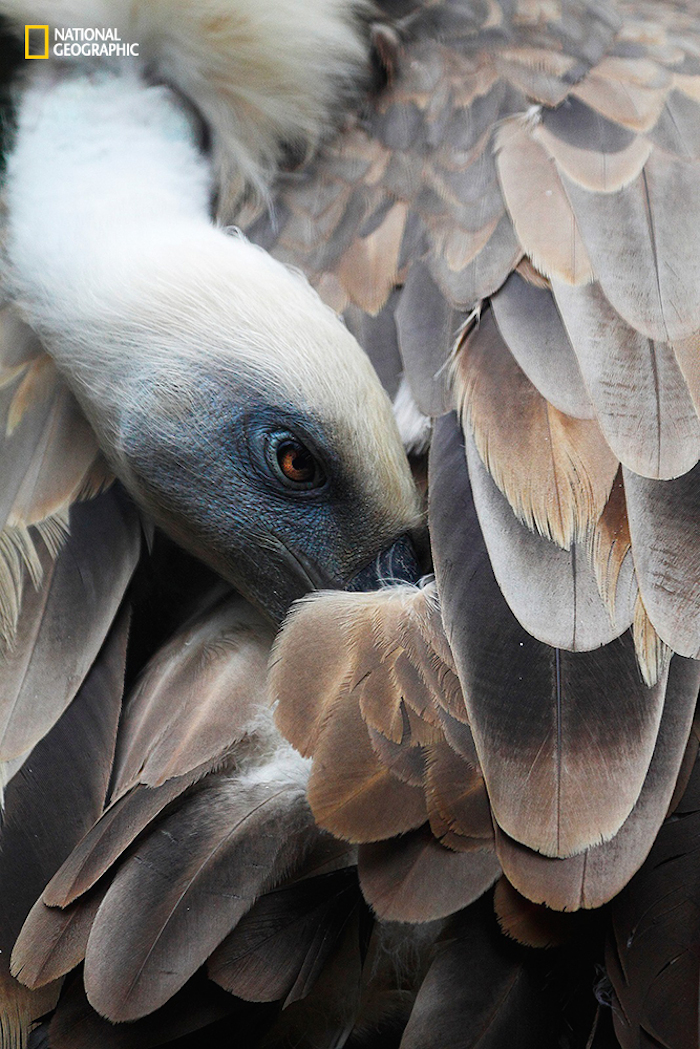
x=399 y=563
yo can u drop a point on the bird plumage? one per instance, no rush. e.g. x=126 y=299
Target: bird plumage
x=503 y=198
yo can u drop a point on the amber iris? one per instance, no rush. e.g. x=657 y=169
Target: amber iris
x=296 y=462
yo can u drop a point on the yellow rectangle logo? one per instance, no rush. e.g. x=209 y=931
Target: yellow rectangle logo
x=45 y=30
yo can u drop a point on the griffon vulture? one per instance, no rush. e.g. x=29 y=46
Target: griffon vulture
x=503 y=199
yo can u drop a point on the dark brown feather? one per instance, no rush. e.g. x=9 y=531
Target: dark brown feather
x=50 y=802
x=53 y=941
x=83 y=587
x=110 y=836
x=277 y=951
x=528 y=923
x=197 y=697
x=415 y=879
x=482 y=990
x=75 y=1025
x=653 y=947
x=185 y=887
x=327 y=1013
x=538 y=714
x=597 y=875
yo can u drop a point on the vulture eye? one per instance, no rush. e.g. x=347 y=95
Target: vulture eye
x=294 y=464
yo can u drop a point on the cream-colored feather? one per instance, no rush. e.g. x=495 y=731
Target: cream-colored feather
x=268 y=97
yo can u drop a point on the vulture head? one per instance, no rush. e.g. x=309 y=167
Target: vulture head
x=233 y=404
x=255 y=430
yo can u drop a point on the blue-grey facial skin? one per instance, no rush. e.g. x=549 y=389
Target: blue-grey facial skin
x=208 y=478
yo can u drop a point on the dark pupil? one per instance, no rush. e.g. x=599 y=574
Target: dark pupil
x=295 y=462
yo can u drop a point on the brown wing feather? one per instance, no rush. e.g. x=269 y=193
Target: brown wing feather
x=415 y=879
x=84 y=587
x=539 y=207
x=48 y=459
x=51 y=801
x=186 y=886
x=597 y=875
x=652 y=954
x=555 y=471
x=197 y=697
x=53 y=941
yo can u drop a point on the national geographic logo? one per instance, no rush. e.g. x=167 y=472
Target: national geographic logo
x=76 y=43
x=36 y=41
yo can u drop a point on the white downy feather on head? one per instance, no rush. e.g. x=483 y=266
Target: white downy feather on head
x=295 y=62
x=172 y=333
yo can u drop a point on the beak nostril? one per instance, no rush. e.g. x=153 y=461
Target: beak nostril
x=397 y=564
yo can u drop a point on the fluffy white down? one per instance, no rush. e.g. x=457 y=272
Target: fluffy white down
x=267 y=759
x=260 y=72
x=414 y=427
x=118 y=268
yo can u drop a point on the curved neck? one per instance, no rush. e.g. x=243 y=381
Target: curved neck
x=104 y=175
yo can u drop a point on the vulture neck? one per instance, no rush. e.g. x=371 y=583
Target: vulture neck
x=106 y=183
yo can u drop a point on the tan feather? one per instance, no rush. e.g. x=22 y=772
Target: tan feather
x=458 y=805
x=303 y=682
x=652 y=654
x=369 y=267
x=538 y=206
x=593 y=169
x=393 y=662
x=532 y=275
x=611 y=544
x=614 y=90
x=384 y=708
x=350 y=793
x=555 y=471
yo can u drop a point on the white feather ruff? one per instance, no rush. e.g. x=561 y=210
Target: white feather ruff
x=260 y=72
x=118 y=268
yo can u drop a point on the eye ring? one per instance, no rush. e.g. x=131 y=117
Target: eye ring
x=293 y=464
